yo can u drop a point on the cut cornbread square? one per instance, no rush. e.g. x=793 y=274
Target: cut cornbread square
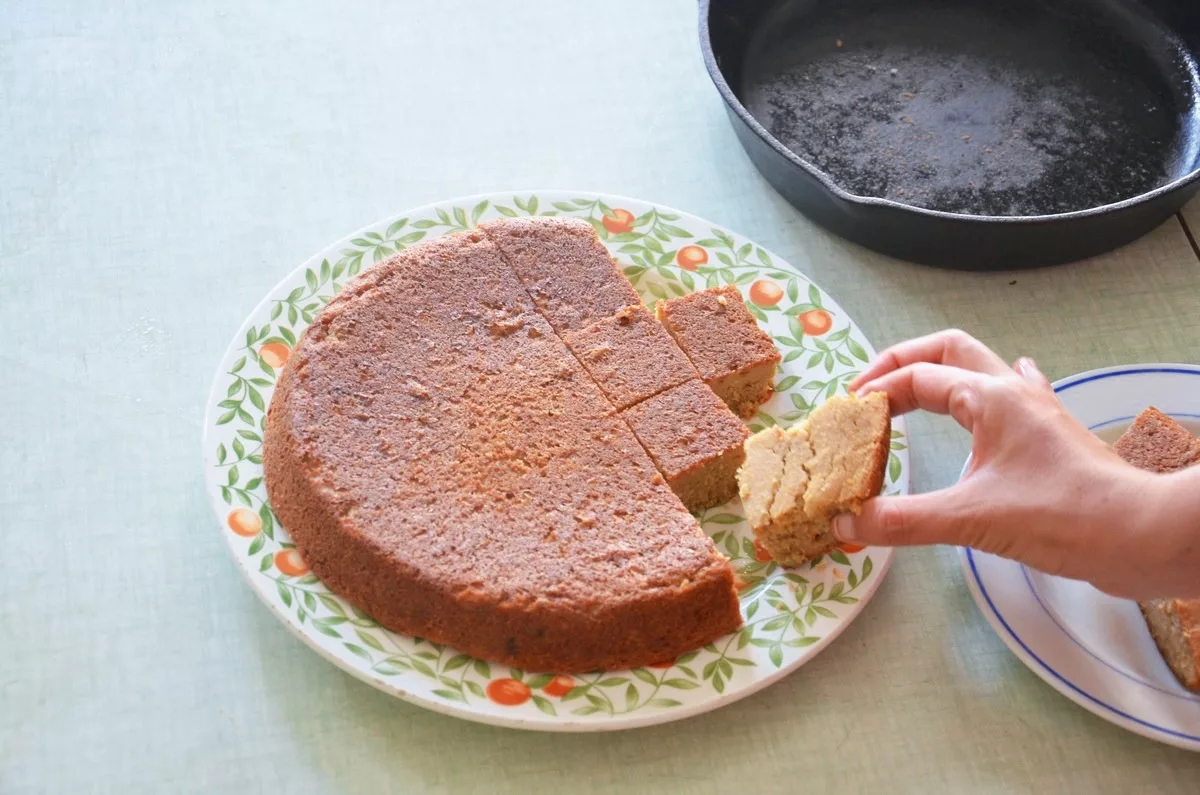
x=1157 y=443
x=694 y=440
x=630 y=356
x=565 y=268
x=735 y=357
x=794 y=482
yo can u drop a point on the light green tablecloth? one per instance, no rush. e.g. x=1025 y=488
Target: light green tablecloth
x=161 y=168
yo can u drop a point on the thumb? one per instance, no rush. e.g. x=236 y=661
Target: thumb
x=938 y=517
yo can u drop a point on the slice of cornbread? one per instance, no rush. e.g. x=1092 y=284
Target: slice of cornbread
x=735 y=357
x=695 y=441
x=827 y=465
x=564 y=266
x=1175 y=626
x=630 y=356
x=1157 y=443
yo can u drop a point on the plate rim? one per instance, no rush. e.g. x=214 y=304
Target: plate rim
x=883 y=556
x=1019 y=647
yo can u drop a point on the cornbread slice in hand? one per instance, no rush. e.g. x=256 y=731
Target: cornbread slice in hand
x=758 y=477
x=735 y=357
x=1157 y=443
x=794 y=482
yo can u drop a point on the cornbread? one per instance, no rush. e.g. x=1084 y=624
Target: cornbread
x=1175 y=626
x=760 y=474
x=694 y=439
x=795 y=481
x=630 y=356
x=441 y=460
x=735 y=357
x=1157 y=443
x=565 y=268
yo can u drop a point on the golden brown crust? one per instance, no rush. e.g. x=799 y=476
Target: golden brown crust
x=694 y=440
x=1157 y=443
x=630 y=356
x=442 y=461
x=734 y=356
x=1188 y=611
x=565 y=268
x=1174 y=625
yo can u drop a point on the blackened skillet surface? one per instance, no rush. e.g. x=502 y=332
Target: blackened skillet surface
x=1020 y=108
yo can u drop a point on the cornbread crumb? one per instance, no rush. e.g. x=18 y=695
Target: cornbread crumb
x=759 y=476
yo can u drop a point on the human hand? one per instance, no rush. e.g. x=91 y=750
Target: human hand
x=1040 y=488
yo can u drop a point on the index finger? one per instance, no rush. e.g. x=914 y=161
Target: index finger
x=932 y=387
x=951 y=347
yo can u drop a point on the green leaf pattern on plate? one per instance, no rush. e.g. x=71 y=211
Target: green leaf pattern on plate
x=786 y=611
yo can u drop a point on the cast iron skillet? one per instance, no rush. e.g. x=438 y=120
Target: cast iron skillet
x=975 y=134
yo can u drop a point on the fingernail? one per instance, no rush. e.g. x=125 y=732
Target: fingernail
x=1027 y=367
x=843 y=527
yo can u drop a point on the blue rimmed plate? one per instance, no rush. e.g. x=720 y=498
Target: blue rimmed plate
x=1091 y=647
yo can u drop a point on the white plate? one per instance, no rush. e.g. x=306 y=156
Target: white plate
x=790 y=615
x=1091 y=647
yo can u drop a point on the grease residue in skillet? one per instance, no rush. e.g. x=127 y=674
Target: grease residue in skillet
x=1021 y=108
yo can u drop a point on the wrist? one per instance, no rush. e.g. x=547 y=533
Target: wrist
x=1169 y=531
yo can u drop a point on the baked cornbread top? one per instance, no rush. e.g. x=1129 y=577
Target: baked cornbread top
x=1157 y=443
x=717 y=332
x=446 y=424
x=685 y=426
x=630 y=356
x=565 y=268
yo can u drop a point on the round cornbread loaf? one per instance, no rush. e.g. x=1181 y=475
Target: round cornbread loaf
x=441 y=460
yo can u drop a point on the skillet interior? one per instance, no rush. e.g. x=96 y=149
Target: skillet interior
x=1021 y=108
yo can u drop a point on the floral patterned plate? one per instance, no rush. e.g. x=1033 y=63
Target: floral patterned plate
x=790 y=615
